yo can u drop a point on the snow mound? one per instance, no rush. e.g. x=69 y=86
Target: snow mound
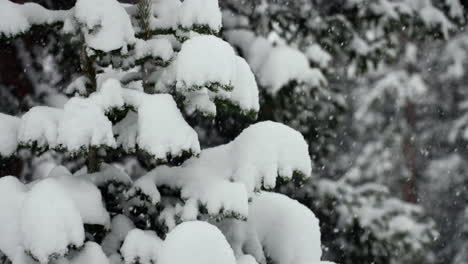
x=13 y=21
x=319 y=56
x=120 y=226
x=266 y=150
x=162 y=131
x=299 y=239
x=222 y=178
x=90 y=254
x=108 y=26
x=12 y=194
x=145 y=186
x=85 y=195
x=197 y=243
x=245 y=91
x=109 y=95
x=214 y=61
x=39 y=127
x=50 y=221
x=8 y=137
x=159 y=48
x=84 y=125
x=200 y=13
x=141 y=247
x=283 y=65
x=166 y=14
x=17 y=19
x=108 y=173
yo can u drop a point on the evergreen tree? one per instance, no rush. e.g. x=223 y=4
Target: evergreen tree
x=144 y=69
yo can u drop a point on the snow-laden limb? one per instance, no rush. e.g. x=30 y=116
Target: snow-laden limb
x=159 y=49
x=9 y=135
x=107 y=174
x=38 y=129
x=319 y=56
x=299 y=239
x=244 y=95
x=106 y=25
x=203 y=16
x=196 y=242
x=166 y=14
x=285 y=64
x=120 y=226
x=141 y=247
x=243 y=239
x=85 y=195
x=50 y=221
x=84 y=125
x=109 y=96
x=267 y=150
x=79 y=85
x=146 y=187
x=214 y=61
x=91 y=253
x=277 y=66
x=18 y=19
x=222 y=178
x=12 y=194
x=162 y=131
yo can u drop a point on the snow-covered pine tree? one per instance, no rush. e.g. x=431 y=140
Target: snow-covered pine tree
x=139 y=65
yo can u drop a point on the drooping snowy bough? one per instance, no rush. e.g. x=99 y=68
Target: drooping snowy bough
x=146 y=69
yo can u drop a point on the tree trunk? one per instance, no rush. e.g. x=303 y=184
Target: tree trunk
x=409 y=148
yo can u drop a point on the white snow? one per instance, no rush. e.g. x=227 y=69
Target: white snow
x=50 y=221
x=13 y=21
x=127 y=131
x=85 y=195
x=78 y=85
x=241 y=38
x=200 y=13
x=200 y=101
x=222 y=178
x=246 y=259
x=141 y=246
x=83 y=125
x=8 y=137
x=108 y=26
x=109 y=95
x=214 y=61
x=162 y=130
x=40 y=125
x=12 y=194
x=245 y=92
x=108 y=173
x=158 y=48
x=196 y=243
x=147 y=187
x=166 y=13
x=120 y=226
x=257 y=53
x=17 y=19
x=266 y=150
x=299 y=239
x=316 y=54
x=91 y=253
x=285 y=64
x=432 y=16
